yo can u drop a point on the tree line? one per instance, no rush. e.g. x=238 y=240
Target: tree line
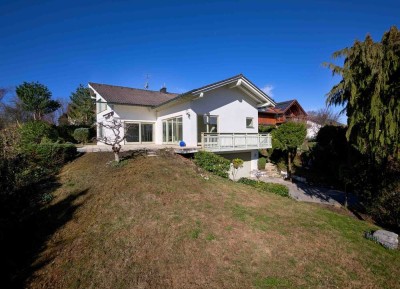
x=369 y=90
x=35 y=142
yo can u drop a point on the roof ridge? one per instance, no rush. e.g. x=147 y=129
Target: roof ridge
x=290 y=100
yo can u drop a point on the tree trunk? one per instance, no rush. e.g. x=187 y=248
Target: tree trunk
x=116 y=156
x=345 y=196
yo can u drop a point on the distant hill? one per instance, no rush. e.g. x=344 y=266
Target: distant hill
x=160 y=223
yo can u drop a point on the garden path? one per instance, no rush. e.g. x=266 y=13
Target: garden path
x=314 y=194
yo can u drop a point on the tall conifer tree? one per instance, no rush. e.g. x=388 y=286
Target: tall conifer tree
x=370 y=92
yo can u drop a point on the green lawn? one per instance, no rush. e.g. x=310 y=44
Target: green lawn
x=157 y=223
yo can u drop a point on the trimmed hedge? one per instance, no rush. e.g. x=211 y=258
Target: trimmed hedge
x=277 y=189
x=66 y=132
x=213 y=163
x=261 y=163
x=81 y=135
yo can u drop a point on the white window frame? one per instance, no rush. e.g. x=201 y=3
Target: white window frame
x=173 y=129
x=208 y=123
x=101 y=106
x=140 y=131
x=251 y=125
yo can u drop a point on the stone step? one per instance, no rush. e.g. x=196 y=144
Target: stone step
x=152 y=154
x=272 y=171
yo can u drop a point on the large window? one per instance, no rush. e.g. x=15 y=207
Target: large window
x=172 y=130
x=146 y=132
x=137 y=132
x=206 y=123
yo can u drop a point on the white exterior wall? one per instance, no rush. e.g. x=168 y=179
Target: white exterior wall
x=231 y=106
x=135 y=113
x=189 y=124
x=249 y=158
x=126 y=114
x=100 y=117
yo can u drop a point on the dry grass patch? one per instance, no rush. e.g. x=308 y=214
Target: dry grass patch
x=156 y=223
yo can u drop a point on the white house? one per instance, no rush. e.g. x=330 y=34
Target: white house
x=221 y=117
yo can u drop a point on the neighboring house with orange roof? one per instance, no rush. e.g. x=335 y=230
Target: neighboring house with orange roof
x=281 y=113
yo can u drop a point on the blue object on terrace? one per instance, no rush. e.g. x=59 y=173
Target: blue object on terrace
x=182 y=143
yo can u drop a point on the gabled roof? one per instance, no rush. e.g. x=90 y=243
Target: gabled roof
x=282 y=107
x=132 y=96
x=142 y=97
x=239 y=81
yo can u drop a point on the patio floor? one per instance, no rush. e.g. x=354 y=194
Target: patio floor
x=133 y=147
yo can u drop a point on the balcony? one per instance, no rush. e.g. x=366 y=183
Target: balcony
x=216 y=142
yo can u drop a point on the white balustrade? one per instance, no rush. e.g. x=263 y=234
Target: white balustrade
x=235 y=141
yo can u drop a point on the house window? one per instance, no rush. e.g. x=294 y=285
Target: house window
x=249 y=122
x=206 y=124
x=101 y=106
x=211 y=123
x=100 y=130
x=138 y=132
x=172 y=130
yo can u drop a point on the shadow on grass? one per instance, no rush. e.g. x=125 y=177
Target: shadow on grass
x=26 y=224
x=327 y=195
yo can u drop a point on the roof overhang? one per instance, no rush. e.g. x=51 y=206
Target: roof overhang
x=237 y=82
x=242 y=83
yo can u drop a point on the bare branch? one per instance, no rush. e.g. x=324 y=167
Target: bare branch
x=113 y=139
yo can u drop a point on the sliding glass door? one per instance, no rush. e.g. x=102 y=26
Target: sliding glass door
x=139 y=132
x=146 y=132
x=172 y=130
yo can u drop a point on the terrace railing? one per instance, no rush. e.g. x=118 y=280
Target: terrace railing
x=235 y=141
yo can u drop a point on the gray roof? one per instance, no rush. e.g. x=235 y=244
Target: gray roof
x=142 y=97
x=131 y=96
x=284 y=105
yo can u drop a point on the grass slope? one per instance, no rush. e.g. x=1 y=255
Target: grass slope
x=157 y=223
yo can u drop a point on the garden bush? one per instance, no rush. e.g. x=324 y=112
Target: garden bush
x=34 y=131
x=50 y=154
x=261 y=163
x=66 y=132
x=212 y=163
x=81 y=135
x=277 y=189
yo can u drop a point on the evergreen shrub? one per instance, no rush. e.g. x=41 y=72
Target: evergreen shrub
x=277 y=189
x=212 y=163
x=81 y=135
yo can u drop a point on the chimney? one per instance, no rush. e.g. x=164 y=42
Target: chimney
x=163 y=89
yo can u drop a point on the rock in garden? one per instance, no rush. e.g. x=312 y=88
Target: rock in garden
x=388 y=239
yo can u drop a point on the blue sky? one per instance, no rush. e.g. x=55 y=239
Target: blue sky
x=279 y=45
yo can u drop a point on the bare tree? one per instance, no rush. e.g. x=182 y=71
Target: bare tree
x=11 y=108
x=111 y=135
x=324 y=116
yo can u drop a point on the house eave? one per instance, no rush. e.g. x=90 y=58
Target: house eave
x=239 y=81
